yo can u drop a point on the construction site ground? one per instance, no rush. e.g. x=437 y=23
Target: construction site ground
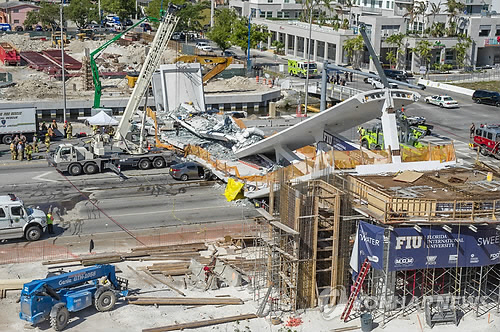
x=129 y=317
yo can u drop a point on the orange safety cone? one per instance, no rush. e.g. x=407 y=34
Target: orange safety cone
x=257 y=79
x=265 y=81
x=149 y=146
x=270 y=83
x=402 y=109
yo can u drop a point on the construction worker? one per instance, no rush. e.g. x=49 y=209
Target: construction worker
x=472 y=129
x=35 y=143
x=20 y=151
x=65 y=127
x=47 y=141
x=50 y=132
x=29 y=151
x=95 y=128
x=53 y=125
x=69 y=130
x=43 y=127
x=13 y=150
x=50 y=222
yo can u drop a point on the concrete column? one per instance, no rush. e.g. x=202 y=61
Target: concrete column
x=233 y=107
x=256 y=107
x=245 y=107
x=442 y=55
x=53 y=114
x=269 y=40
x=414 y=68
x=338 y=54
x=306 y=47
x=325 y=56
x=221 y=108
x=295 y=45
x=286 y=43
x=315 y=50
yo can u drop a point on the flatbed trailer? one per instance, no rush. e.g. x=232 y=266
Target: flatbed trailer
x=77 y=160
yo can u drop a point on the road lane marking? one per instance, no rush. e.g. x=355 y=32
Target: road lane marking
x=166 y=211
x=40 y=177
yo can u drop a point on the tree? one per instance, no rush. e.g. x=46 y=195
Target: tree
x=240 y=34
x=397 y=41
x=47 y=15
x=454 y=9
x=423 y=48
x=122 y=8
x=190 y=14
x=279 y=46
x=435 y=10
x=461 y=48
x=354 y=46
x=391 y=57
x=82 y=12
x=220 y=33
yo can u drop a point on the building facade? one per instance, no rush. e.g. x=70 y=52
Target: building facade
x=382 y=18
x=15 y=12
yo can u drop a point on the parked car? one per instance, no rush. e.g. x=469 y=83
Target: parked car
x=206 y=48
x=227 y=53
x=199 y=45
x=146 y=27
x=486 y=97
x=366 y=79
x=128 y=22
x=442 y=101
x=5 y=27
x=19 y=28
x=190 y=171
x=38 y=28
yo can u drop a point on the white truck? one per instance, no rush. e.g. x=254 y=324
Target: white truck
x=17 y=220
x=15 y=121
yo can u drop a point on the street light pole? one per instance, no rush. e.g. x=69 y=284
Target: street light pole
x=212 y=9
x=62 y=62
x=308 y=60
x=249 y=63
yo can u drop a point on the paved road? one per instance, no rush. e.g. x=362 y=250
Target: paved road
x=146 y=199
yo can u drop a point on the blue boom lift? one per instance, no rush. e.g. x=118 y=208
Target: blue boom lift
x=54 y=297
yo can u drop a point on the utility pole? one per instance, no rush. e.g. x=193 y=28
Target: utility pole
x=62 y=62
x=308 y=60
x=212 y=9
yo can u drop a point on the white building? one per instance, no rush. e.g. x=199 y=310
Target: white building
x=383 y=18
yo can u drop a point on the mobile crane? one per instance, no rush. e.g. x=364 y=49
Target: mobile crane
x=218 y=64
x=127 y=149
x=53 y=298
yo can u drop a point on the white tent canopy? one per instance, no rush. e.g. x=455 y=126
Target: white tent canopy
x=102 y=119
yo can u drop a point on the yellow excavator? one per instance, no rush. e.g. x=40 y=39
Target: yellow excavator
x=215 y=64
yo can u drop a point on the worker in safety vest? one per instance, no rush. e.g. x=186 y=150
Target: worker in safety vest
x=50 y=222
x=20 y=151
x=35 y=143
x=29 y=151
x=13 y=150
x=47 y=142
x=69 y=130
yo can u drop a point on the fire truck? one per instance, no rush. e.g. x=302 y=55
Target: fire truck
x=487 y=140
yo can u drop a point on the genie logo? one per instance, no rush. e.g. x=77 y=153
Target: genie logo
x=404 y=261
x=495 y=256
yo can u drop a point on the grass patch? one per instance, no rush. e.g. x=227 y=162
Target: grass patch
x=491 y=85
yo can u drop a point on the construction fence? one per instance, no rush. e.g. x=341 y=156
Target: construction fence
x=315 y=161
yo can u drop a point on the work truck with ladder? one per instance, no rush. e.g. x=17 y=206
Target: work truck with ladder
x=128 y=147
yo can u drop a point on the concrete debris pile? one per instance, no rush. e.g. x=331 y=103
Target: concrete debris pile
x=217 y=133
x=235 y=84
x=26 y=43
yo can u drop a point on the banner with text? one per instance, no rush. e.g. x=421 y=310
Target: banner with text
x=434 y=247
x=371 y=244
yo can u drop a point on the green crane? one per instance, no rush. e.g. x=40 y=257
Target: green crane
x=95 y=54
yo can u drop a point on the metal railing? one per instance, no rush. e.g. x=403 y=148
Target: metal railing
x=486 y=75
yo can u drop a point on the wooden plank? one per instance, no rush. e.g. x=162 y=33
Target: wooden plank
x=202 y=323
x=145 y=300
x=165 y=283
x=347 y=328
x=141 y=277
x=284 y=228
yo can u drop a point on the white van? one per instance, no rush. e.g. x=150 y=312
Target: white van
x=17 y=221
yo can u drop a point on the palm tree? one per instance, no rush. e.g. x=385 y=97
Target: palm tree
x=435 y=10
x=420 y=11
x=411 y=15
x=454 y=8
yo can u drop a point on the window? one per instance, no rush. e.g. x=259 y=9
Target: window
x=262 y=15
x=269 y=1
x=16 y=21
x=478 y=132
x=15 y=11
x=392 y=5
x=269 y=14
x=490 y=136
x=279 y=14
x=287 y=1
x=484 y=30
x=387 y=4
x=286 y=14
x=2 y=213
x=497 y=33
x=380 y=4
x=16 y=211
x=65 y=151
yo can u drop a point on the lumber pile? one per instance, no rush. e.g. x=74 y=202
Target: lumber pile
x=147 y=300
x=11 y=284
x=201 y=323
x=182 y=252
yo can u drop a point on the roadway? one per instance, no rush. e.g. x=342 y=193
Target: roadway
x=147 y=199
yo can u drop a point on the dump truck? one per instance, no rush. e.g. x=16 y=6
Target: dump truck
x=9 y=55
x=15 y=121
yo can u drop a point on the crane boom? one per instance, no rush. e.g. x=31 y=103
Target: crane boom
x=219 y=64
x=167 y=26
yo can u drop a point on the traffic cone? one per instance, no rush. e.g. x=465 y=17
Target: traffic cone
x=257 y=79
x=265 y=81
x=270 y=83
